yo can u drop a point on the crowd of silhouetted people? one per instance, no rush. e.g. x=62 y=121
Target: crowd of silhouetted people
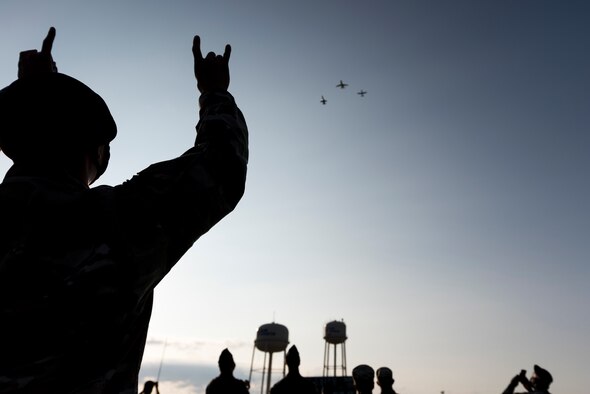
x=363 y=380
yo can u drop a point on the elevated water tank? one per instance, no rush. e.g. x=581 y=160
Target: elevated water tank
x=272 y=337
x=335 y=332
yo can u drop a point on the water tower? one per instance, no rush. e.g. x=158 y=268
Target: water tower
x=335 y=334
x=270 y=338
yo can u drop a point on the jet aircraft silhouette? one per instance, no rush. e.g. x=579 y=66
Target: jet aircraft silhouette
x=323 y=100
x=362 y=93
x=342 y=85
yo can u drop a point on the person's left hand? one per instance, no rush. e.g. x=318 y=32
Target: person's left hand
x=212 y=71
x=33 y=63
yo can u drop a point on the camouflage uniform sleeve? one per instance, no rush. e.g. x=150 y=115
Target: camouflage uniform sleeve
x=510 y=389
x=165 y=208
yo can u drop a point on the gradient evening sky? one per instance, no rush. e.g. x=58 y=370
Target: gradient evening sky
x=445 y=216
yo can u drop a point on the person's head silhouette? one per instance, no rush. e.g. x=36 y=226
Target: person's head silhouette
x=384 y=377
x=52 y=121
x=541 y=379
x=148 y=386
x=226 y=362
x=293 y=360
x=362 y=376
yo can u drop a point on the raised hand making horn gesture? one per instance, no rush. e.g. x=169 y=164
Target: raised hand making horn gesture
x=33 y=62
x=212 y=71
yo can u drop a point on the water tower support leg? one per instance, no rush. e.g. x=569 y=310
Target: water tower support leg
x=335 y=361
x=268 y=376
x=263 y=372
x=251 y=364
x=344 y=358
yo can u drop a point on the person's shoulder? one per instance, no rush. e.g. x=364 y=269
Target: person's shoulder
x=213 y=384
x=214 y=381
x=279 y=386
x=235 y=385
x=238 y=382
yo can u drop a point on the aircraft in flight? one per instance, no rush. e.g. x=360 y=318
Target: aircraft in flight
x=342 y=85
x=361 y=93
x=323 y=100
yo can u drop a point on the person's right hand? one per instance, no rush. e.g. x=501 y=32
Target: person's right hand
x=212 y=72
x=34 y=63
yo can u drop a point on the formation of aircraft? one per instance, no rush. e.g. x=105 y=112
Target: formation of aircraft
x=343 y=85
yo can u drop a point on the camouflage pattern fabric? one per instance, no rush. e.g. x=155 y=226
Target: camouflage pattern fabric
x=78 y=266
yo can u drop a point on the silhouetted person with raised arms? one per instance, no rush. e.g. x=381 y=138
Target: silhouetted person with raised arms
x=226 y=383
x=363 y=377
x=78 y=265
x=385 y=380
x=293 y=383
x=539 y=382
x=149 y=386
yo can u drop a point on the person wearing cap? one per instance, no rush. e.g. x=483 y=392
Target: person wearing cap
x=78 y=265
x=385 y=380
x=538 y=383
x=363 y=379
x=293 y=383
x=226 y=383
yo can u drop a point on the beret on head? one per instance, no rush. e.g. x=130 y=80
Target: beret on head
x=52 y=113
x=543 y=374
x=226 y=359
x=293 y=356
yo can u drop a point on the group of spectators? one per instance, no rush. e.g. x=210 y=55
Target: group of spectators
x=363 y=377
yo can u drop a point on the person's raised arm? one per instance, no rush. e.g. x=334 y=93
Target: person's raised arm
x=181 y=199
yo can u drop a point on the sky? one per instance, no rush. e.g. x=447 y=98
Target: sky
x=444 y=216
